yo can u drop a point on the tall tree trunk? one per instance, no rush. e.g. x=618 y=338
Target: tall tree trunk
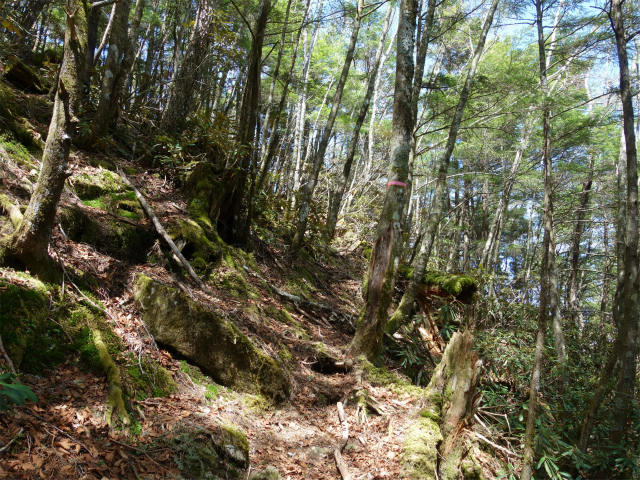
x=574 y=275
x=495 y=228
x=379 y=280
x=624 y=346
x=335 y=197
x=232 y=227
x=180 y=102
x=274 y=79
x=29 y=243
x=133 y=50
x=624 y=394
x=406 y=303
x=318 y=156
x=114 y=69
x=548 y=279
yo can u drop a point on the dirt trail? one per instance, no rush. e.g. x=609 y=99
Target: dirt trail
x=65 y=434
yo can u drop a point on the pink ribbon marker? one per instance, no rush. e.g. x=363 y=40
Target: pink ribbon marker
x=399 y=184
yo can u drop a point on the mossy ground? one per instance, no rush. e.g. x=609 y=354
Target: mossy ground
x=41 y=330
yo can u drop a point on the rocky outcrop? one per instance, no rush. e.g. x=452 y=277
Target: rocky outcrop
x=209 y=340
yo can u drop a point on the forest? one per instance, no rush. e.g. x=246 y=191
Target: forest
x=287 y=239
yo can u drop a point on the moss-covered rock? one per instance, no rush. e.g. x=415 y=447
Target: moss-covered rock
x=235 y=284
x=235 y=445
x=31 y=340
x=209 y=340
x=203 y=186
x=16 y=112
x=196 y=453
x=119 y=239
x=97 y=184
x=23 y=76
x=194 y=243
x=269 y=473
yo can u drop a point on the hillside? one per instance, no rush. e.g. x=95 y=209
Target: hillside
x=266 y=239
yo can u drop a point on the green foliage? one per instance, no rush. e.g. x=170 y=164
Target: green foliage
x=13 y=393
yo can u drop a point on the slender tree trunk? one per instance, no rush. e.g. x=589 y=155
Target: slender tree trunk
x=133 y=50
x=624 y=394
x=335 y=197
x=318 y=156
x=374 y=105
x=548 y=279
x=379 y=281
x=574 y=275
x=29 y=243
x=93 y=21
x=274 y=79
x=495 y=229
x=180 y=102
x=232 y=227
x=110 y=93
x=433 y=221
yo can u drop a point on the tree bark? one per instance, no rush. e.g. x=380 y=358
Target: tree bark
x=114 y=70
x=624 y=347
x=335 y=197
x=548 y=279
x=574 y=275
x=180 y=102
x=28 y=245
x=318 y=156
x=379 y=281
x=406 y=303
x=232 y=227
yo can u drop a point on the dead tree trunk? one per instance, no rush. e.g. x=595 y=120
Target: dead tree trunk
x=451 y=401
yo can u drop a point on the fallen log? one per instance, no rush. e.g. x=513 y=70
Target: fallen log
x=162 y=232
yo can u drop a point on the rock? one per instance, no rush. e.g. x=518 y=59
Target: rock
x=22 y=76
x=234 y=446
x=269 y=473
x=209 y=340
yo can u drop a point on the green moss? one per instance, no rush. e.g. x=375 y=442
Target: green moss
x=97 y=184
x=211 y=389
x=471 y=470
x=380 y=375
x=195 y=453
x=237 y=286
x=147 y=379
x=119 y=239
x=16 y=151
x=431 y=414
x=207 y=338
x=14 y=110
x=461 y=286
x=285 y=355
x=235 y=437
x=197 y=246
x=202 y=186
x=279 y=314
x=32 y=340
x=96 y=203
x=420 y=449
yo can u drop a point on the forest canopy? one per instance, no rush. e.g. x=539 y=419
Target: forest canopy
x=479 y=156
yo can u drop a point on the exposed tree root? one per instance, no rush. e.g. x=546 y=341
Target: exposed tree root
x=14 y=212
x=114 y=400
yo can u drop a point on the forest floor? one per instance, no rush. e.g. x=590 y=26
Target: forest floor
x=65 y=435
